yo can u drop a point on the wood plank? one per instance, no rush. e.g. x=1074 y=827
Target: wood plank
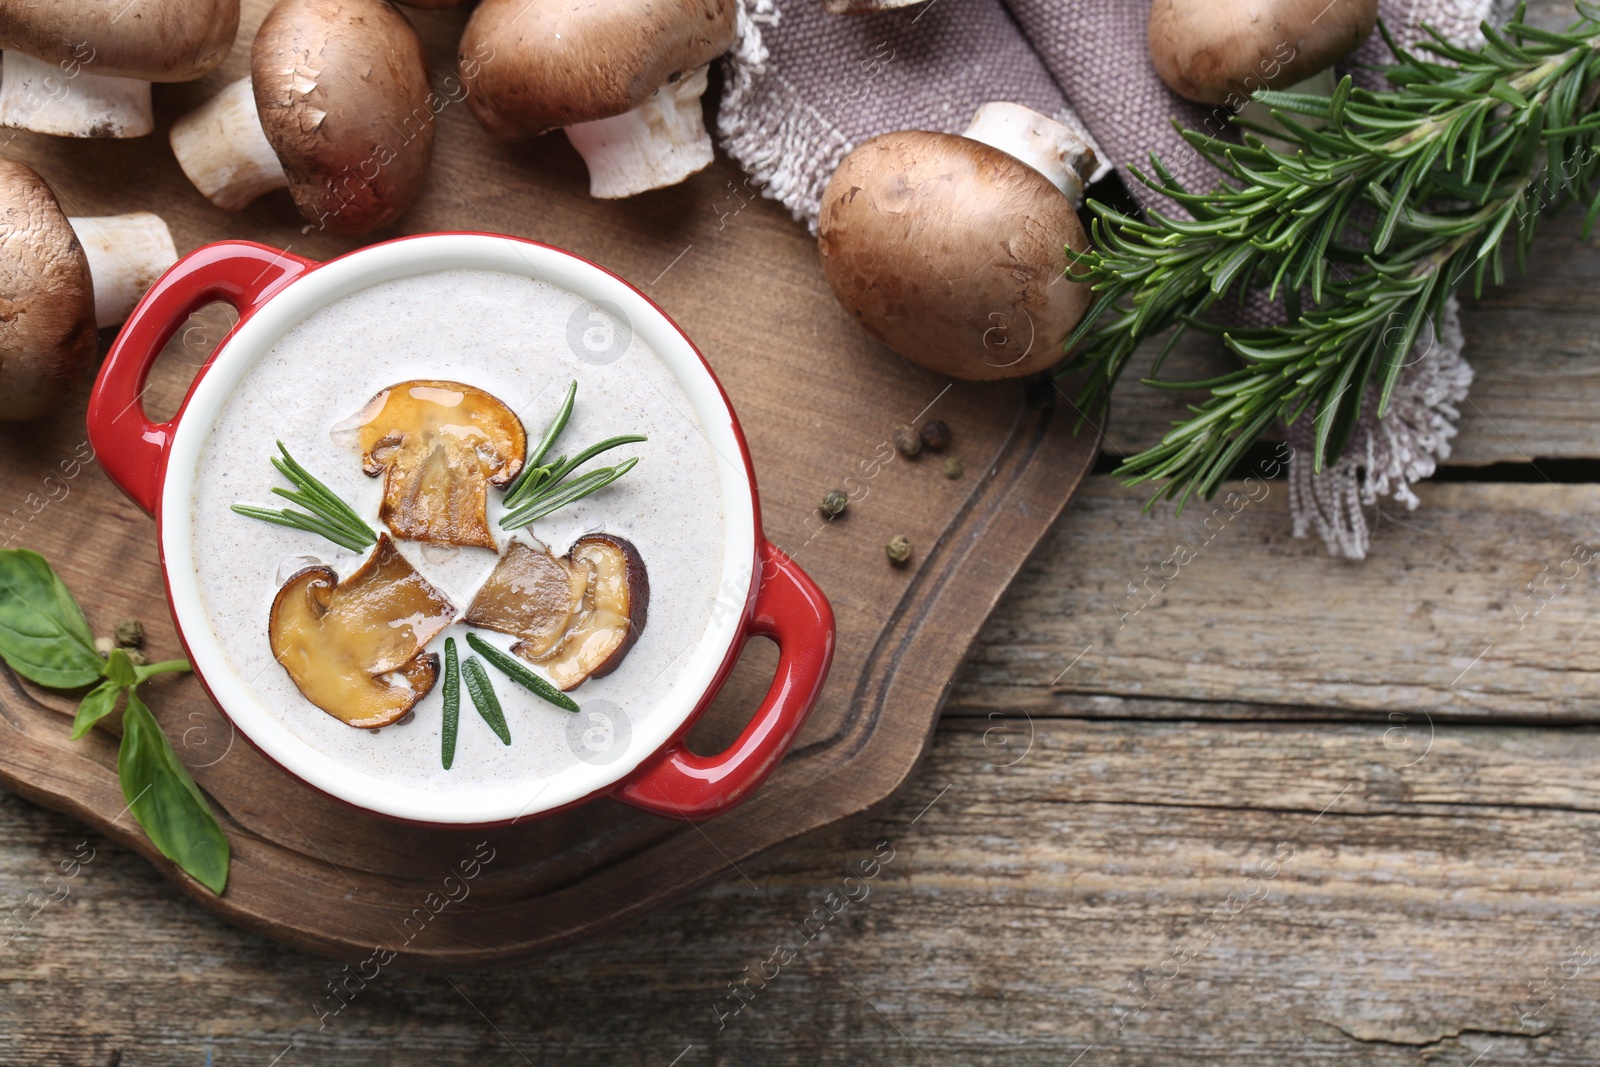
x=1413 y=903
x=1441 y=620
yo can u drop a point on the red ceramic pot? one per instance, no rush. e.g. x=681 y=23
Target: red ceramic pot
x=274 y=291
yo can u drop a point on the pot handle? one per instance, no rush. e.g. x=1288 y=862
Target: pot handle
x=789 y=608
x=132 y=449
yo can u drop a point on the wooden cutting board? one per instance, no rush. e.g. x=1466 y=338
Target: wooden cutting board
x=818 y=402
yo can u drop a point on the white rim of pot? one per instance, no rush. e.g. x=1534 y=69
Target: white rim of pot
x=340 y=278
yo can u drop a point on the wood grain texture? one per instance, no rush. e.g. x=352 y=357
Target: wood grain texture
x=1439 y=907
x=1476 y=606
x=818 y=401
x=1035 y=888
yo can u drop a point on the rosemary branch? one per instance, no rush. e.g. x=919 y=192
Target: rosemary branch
x=325 y=514
x=542 y=488
x=1386 y=202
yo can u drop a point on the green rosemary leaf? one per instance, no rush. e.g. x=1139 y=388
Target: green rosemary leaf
x=566 y=494
x=482 y=692
x=325 y=514
x=520 y=674
x=563 y=469
x=537 y=453
x=452 y=704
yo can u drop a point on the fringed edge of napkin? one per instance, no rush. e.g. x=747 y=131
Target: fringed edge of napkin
x=1388 y=455
x=775 y=141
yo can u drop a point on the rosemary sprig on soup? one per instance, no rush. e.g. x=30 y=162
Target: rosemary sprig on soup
x=358 y=647
x=328 y=515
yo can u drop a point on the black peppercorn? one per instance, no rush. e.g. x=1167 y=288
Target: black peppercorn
x=935 y=436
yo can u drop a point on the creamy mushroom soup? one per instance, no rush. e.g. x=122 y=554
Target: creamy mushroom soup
x=522 y=341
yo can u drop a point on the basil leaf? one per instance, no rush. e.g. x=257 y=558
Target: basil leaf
x=166 y=801
x=119 y=668
x=100 y=702
x=43 y=634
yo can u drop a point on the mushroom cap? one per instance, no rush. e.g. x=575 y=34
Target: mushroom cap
x=342 y=90
x=543 y=64
x=343 y=643
x=1220 y=51
x=952 y=253
x=162 y=41
x=47 y=335
x=439 y=446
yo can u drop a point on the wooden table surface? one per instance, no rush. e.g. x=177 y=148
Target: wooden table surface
x=1295 y=810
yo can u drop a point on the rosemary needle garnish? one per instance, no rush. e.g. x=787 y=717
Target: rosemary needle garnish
x=520 y=674
x=452 y=704
x=561 y=496
x=537 y=453
x=483 y=698
x=1383 y=203
x=325 y=514
x=542 y=488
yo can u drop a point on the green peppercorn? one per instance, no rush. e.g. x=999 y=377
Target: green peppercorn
x=135 y=657
x=935 y=436
x=130 y=633
x=907 y=441
x=833 y=503
x=899 y=550
x=953 y=469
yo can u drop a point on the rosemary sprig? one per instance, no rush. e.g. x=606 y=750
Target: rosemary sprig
x=539 y=489
x=520 y=674
x=325 y=514
x=451 y=722
x=482 y=692
x=1388 y=201
x=560 y=496
x=531 y=468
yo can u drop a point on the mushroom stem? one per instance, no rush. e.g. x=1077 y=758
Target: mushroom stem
x=126 y=254
x=1048 y=146
x=657 y=144
x=40 y=96
x=223 y=152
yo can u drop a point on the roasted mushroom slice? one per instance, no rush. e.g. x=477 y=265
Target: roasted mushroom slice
x=354 y=648
x=615 y=600
x=577 y=616
x=532 y=596
x=439 y=446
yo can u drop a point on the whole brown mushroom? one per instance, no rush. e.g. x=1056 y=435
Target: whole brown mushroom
x=59 y=279
x=623 y=78
x=77 y=68
x=337 y=109
x=1219 y=52
x=951 y=251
